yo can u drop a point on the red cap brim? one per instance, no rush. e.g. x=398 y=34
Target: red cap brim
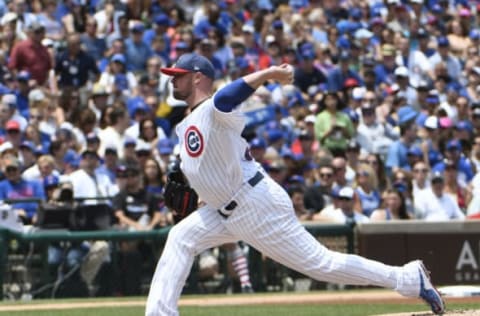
x=174 y=71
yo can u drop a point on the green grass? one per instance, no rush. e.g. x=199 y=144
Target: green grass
x=323 y=309
x=258 y=310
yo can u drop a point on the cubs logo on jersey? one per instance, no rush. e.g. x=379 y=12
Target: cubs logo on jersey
x=193 y=141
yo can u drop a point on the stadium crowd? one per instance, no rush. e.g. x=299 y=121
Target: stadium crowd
x=382 y=122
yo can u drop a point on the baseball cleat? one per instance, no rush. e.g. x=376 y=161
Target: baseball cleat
x=429 y=293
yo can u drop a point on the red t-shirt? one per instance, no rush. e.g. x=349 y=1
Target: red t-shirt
x=32 y=57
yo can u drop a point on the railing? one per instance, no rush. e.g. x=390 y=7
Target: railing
x=160 y=235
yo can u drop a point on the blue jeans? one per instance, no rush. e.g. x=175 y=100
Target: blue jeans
x=72 y=255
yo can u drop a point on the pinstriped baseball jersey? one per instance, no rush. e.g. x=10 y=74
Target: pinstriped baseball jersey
x=210 y=148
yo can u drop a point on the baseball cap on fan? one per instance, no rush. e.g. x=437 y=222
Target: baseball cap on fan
x=191 y=62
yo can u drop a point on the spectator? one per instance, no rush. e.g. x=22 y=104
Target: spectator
x=339 y=165
x=431 y=141
x=149 y=132
x=107 y=18
x=367 y=196
x=317 y=196
x=88 y=184
x=116 y=67
x=135 y=209
x=76 y=18
x=164 y=152
x=394 y=207
x=25 y=19
x=74 y=67
x=296 y=193
x=420 y=181
x=93 y=44
x=53 y=28
x=31 y=55
x=114 y=134
x=384 y=71
x=137 y=52
x=435 y=205
x=345 y=213
x=14 y=187
x=306 y=74
x=453 y=152
x=154 y=179
x=340 y=74
x=397 y=152
x=109 y=164
x=118 y=36
x=333 y=128
x=452 y=64
x=27 y=154
x=453 y=187
x=374 y=137
x=13 y=137
x=143 y=151
x=44 y=167
x=475 y=153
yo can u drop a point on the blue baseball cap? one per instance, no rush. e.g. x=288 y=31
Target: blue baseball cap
x=119 y=58
x=138 y=28
x=258 y=143
x=406 y=114
x=71 y=158
x=464 y=126
x=191 y=62
x=454 y=145
x=415 y=151
x=28 y=144
x=129 y=142
x=443 y=41
x=165 y=146
x=23 y=76
x=162 y=19
x=92 y=137
x=277 y=24
x=274 y=135
x=296 y=178
x=181 y=45
x=51 y=181
x=474 y=34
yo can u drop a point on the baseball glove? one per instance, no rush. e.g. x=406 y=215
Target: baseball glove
x=178 y=195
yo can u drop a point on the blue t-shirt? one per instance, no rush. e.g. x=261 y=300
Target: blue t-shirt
x=397 y=156
x=22 y=189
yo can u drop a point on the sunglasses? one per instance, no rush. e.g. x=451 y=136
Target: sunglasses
x=11 y=169
x=326 y=175
x=420 y=170
x=344 y=199
x=143 y=153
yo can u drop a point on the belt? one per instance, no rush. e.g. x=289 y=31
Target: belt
x=227 y=210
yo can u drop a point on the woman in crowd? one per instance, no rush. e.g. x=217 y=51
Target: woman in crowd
x=367 y=195
x=148 y=132
x=394 y=207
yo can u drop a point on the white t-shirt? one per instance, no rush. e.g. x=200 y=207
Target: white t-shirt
x=433 y=208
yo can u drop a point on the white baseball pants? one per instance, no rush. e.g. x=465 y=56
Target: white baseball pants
x=264 y=218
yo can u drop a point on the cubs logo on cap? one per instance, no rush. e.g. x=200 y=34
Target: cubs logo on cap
x=193 y=141
x=191 y=62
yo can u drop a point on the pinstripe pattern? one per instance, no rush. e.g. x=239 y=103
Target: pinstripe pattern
x=264 y=218
x=221 y=147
